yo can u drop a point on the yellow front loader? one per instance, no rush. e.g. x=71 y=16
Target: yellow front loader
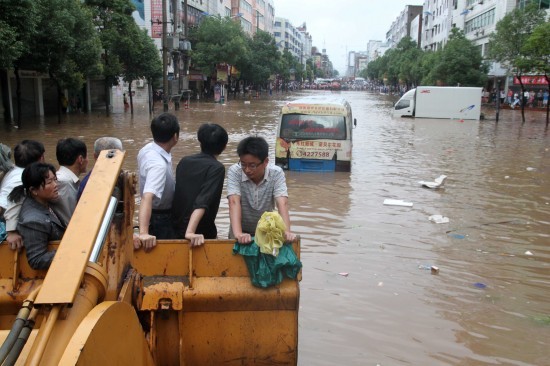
x=102 y=303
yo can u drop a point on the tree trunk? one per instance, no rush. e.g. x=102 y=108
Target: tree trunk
x=131 y=98
x=18 y=95
x=107 y=97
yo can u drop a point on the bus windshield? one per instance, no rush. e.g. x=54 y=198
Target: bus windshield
x=312 y=127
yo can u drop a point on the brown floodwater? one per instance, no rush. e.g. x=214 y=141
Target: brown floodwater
x=490 y=302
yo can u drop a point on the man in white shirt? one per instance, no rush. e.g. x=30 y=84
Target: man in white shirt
x=156 y=182
x=24 y=154
x=72 y=157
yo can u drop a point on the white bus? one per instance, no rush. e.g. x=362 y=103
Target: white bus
x=315 y=134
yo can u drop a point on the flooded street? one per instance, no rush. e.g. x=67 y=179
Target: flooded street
x=490 y=302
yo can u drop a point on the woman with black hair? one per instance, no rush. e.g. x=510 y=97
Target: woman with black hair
x=38 y=224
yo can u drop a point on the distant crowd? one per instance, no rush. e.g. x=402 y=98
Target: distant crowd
x=37 y=201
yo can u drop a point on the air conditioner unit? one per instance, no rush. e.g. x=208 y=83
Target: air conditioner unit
x=172 y=43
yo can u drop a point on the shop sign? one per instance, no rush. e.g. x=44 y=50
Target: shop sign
x=531 y=80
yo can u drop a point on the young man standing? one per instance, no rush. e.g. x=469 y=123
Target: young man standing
x=72 y=156
x=156 y=182
x=254 y=187
x=199 y=184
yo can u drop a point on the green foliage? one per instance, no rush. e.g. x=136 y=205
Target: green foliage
x=512 y=32
x=460 y=62
x=262 y=60
x=18 y=19
x=219 y=40
x=537 y=49
x=67 y=46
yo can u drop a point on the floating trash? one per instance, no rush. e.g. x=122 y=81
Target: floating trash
x=439 y=219
x=390 y=202
x=528 y=253
x=344 y=274
x=434 y=270
x=457 y=236
x=480 y=285
x=437 y=183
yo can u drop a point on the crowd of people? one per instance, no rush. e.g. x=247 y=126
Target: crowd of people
x=37 y=201
x=531 y=98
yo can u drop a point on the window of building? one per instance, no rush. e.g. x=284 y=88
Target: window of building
x=277 y=24
x=482 y=20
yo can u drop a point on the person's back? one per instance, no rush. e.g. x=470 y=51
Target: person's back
x=199 y=184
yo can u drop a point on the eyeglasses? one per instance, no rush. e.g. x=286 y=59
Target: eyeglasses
x=251 y=166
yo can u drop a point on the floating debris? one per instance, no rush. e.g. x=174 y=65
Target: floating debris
x=437 y=183
x=439 y=219
x=391 y=202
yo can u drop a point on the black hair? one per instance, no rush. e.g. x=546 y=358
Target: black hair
x=213 y=138
x=68 y=150
x=27 y=152
x=255 y=146
x=33 y=176
x=164 y=126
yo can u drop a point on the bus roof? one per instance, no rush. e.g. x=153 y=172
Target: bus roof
x=318 y=104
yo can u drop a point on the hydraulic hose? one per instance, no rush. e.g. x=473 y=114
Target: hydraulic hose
x=18 y=325
x=21 y=340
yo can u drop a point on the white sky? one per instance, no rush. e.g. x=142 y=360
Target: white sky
x=341 y=26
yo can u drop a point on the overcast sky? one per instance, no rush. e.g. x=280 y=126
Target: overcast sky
x=341 y=26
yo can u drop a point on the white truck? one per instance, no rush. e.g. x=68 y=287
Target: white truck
x=440 y=102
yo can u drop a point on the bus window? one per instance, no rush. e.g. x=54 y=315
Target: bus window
x=310 y=127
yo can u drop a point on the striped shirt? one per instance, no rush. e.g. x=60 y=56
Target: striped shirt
x=255 y=198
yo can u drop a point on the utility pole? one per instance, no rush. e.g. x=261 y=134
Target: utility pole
x=164 y=56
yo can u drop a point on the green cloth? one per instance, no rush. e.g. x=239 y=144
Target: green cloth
x=266 y=270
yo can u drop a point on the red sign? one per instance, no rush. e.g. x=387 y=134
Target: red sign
x=531 y=80
x=156 y=18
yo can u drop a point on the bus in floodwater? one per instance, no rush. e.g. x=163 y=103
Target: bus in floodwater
x=315 y=134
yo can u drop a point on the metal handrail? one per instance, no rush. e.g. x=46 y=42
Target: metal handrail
x=103 y=230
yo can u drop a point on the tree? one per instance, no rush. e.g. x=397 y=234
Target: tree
x=537 y=52
x=460 y=62
x=113 y=19
x=512 y=32
x=18 y=19
x=66 y=48
x=262 y=60
x=218 y=40
x=140 y=58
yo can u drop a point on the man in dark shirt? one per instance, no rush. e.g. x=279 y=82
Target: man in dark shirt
x=199 y=184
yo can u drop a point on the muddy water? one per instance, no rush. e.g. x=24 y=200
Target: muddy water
x=490 y=302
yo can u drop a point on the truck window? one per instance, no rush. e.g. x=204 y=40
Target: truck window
x=403 y=103
x=312 y=127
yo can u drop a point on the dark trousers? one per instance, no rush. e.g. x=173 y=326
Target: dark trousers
x=160 y=225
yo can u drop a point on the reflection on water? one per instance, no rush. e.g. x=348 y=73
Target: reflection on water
x=490 y=303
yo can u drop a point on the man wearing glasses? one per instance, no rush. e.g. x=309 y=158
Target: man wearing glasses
x=254 y=187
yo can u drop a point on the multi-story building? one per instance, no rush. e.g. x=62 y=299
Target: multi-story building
x=401 y=27
x=289 y=37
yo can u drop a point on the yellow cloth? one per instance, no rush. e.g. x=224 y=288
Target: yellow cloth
x=270 y=233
